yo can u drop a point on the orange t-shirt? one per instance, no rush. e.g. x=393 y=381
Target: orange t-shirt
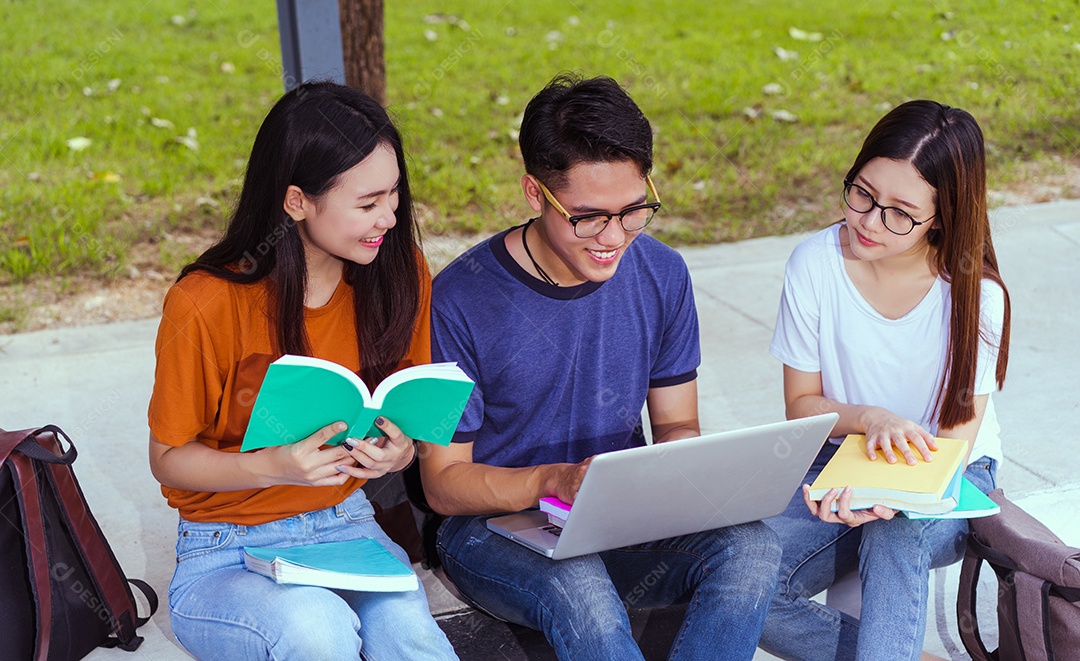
x=213 y=349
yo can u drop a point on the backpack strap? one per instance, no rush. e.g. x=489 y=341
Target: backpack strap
x=1072 y=595
x=966 y=617
x=1033 y=615
x=103 y=567
x=44 y=445
x=133 y=643
x=151 y=599
x=9 y=440
x=36 y=552
x=24 y=441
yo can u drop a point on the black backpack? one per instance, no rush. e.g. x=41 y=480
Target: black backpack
x=1038 y=600
x=62 y=592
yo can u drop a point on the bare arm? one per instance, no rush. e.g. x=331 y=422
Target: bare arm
x=802 y=395
x=844 y=514
x=455 y=485
x=197 y=467
x=970 y=429
x=884 y=430
x=803 y=398
x=673 y=412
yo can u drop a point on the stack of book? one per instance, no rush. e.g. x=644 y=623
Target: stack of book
x=925 y=490
x=361 y=564
x=556 y=510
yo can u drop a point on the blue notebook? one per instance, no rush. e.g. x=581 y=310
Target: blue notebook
x=972 y=505
x=361 y=564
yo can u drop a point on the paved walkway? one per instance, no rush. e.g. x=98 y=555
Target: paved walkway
x=95 y=382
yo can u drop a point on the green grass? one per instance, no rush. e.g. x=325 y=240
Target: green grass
x=697 y=69
x=11 y=316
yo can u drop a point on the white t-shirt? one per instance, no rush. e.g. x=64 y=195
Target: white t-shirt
x=825 y=325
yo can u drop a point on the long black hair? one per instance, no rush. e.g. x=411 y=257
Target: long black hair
x=945 y=145
x=311 y=136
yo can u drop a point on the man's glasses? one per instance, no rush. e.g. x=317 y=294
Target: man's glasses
x=895 y=220
x=632 y=219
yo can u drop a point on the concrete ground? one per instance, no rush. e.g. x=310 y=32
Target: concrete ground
x=95 y=382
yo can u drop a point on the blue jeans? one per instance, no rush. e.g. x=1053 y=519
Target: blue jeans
x=894 y=559
x=580 y=604
x=222 y=611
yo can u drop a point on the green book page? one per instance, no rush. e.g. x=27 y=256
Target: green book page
x=360 y=557
x=973 y=504
x=300 y=395
x=425 y=409
x=295 y=401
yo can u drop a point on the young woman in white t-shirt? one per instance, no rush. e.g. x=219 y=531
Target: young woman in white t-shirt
x=897 y=319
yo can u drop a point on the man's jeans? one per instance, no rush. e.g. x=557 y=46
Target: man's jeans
x=894 y=559
x=727 y=577
x=222 y=611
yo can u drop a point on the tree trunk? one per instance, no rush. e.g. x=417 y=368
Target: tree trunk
x=362 y=46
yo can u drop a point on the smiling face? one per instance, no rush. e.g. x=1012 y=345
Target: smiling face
x=607 y=187
x=892 y=184
x=350 y=221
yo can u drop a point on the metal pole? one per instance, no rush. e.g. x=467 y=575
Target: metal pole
x=310 y=33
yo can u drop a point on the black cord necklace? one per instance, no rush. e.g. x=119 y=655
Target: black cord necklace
x=543 y=274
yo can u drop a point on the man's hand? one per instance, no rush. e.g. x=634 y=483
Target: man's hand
x=566 y=479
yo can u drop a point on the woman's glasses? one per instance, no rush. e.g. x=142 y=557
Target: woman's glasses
x=894 y=219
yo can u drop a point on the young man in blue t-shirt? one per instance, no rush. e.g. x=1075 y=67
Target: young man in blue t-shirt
x=570 y=324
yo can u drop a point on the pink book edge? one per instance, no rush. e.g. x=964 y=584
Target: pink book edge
x=553 y=505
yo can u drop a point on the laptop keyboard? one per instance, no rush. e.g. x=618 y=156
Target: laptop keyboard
x=553 y=529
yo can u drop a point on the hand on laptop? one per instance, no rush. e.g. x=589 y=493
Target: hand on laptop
x=843 y=513
x=565 y=480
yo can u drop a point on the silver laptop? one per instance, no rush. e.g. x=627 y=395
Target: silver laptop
x=654 y=492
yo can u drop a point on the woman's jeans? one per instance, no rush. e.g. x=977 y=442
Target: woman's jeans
x=726 y=576
x=222 y=611
x=894 y=559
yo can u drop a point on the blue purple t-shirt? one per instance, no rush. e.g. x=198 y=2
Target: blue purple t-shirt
x=562 y=372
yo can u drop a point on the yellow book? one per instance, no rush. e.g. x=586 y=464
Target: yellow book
x=921 y=487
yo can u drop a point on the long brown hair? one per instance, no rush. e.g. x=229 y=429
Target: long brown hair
x=945 y=145
x=311 y=136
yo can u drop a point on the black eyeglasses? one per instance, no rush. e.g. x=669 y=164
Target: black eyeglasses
x=894 y=219
x=632 y=219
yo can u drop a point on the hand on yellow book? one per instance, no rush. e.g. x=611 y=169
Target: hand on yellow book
x=886 y=431
x=844 y=513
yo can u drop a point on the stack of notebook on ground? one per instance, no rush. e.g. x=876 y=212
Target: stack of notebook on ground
x=926 y=490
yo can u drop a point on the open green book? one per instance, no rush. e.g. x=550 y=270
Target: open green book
x=924 y=487
x=972 y=505
x=360 y=564
x=301 y=395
